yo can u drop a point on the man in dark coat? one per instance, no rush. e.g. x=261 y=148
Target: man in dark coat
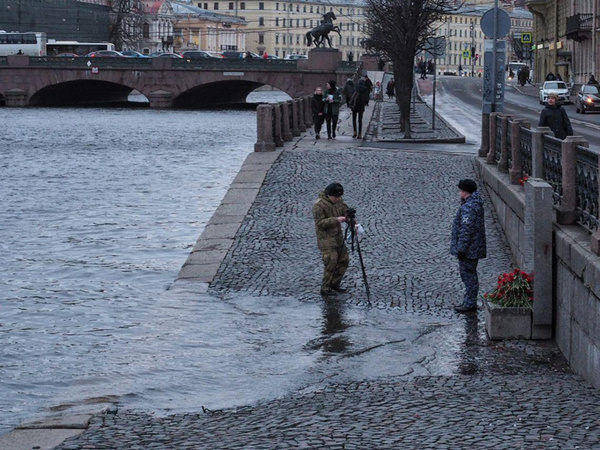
x=317 y=105
x=468 y=242
x=555 y=117
x=592 y=80
x=329 y=212
x=348 y=91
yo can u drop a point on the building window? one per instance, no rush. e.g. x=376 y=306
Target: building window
x=261 y=38
x=297 y=8
x=276 y=6
x=297 y=39
x=276 y=21
x=317 y=10
x=146 y=31
x=283 y=22
x=277 y=38
x=297 y=23
x=216 y=6
x=304 y=23
x=243 y=5
x=304 y=8
x=206 y=6
x=261 y=5
x=230 y=5
x=261 y=21
x=311 y=8
x=284 y=38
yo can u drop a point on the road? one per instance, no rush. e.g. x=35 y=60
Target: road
x=459 y=100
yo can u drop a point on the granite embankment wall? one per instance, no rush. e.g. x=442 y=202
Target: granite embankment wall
x=572 y=280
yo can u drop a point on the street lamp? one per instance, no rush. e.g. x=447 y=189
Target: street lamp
x=472 y=27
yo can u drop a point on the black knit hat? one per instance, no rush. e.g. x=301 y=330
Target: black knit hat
x=467 y=185
x=332 y=83
x=335 y=190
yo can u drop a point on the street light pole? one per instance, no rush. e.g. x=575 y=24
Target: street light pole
x=472 y=49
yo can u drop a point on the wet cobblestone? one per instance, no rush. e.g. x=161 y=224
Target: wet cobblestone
x=497 y=412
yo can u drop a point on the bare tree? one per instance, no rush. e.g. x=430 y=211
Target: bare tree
x=125 y=23
x=399 y=29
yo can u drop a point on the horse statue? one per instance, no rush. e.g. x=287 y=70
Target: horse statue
x=321 y=32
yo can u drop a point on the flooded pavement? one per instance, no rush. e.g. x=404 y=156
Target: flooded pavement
x=262 y=361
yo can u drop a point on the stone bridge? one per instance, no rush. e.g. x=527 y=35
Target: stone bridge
x=166 y=82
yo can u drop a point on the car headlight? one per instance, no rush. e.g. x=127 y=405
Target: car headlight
x=589 y=100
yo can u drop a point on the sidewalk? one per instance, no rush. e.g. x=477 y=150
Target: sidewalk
x=458 y=389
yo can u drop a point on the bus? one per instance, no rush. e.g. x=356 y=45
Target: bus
x=54 y=47
x=16 y=43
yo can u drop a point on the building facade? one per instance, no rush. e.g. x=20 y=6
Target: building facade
x=566 y=38
x=157 y=27
x=279 y=28
x=198 y=29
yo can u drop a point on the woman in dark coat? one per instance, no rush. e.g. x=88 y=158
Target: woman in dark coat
x=390 y=89
x=555 y=117
x=317 y=106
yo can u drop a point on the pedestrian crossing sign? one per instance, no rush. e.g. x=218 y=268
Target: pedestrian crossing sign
x=526 y=38
x=466 y=54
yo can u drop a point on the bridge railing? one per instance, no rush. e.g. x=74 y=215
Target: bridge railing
x=254 y=63
x=278 y=123
x=569 y=166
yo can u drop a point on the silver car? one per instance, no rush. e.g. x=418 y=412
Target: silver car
x=554 y=87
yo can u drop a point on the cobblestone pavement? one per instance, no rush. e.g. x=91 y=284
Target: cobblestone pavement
x=514 y=394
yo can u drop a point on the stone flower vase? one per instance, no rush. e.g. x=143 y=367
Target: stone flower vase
x=507 y=323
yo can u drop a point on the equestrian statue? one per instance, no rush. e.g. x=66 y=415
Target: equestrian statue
x=321 y=32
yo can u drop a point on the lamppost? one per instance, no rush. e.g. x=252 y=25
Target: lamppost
x=472 y=27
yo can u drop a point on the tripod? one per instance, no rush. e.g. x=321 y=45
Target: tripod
x=353 y=238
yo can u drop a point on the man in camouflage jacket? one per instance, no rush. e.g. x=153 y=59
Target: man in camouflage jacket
x=329 y=212
x=468 y=241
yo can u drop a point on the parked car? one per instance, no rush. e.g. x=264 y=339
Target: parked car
x=273 y=57
x=238 y=55
x=67 y=55
x=165 y=55
x=215 y=54
x=295 y=56
x=105 y=54
x=133 y=54
x=554 y=87
x=196 y=54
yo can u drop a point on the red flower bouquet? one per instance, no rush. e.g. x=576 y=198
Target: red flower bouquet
x=515 y=289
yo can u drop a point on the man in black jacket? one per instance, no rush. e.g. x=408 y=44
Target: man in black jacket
x=555 y=117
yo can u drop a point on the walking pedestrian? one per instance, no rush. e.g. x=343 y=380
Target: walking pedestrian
x=348 y=91
x=358 y=108
x=550 y=77
x=329 y=212
x=555 y=117
x=350 y=56
x=265 y=55
x=468 y=242
x=367 y=93
x=317 y=106
x=332 y=108
x=390 y=88
x=592 y=80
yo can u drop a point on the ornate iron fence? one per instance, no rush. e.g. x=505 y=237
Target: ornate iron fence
x=552 y=153
x=498 y=140
x=525 y=141
x=509 y=143
x=587 y=188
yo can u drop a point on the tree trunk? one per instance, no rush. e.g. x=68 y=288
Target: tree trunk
x=405 y=73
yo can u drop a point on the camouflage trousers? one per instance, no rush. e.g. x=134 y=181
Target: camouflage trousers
x=468 y=275
x=336 y=262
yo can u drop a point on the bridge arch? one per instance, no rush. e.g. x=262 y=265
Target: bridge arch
x=78 y=92
x=218 y=92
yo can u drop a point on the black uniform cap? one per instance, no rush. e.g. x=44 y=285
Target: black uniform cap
x=467 y=185
x=335 y=190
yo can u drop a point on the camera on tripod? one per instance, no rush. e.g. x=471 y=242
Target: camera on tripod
x=351 y=214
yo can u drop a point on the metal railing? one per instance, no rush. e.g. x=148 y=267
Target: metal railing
x=552 y=167
x=525 y=148
x=587 y=187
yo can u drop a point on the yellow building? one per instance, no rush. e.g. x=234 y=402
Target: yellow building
x=198 y=29
x=279 y=27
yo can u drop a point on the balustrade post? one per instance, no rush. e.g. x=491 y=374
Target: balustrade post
x=277 y=121
x=503 y=163
x=308 y=111
x=286 y=121
x=491 y=156
x=301 y=122
x=516 y=171
x=264 y=129
x=537 y=151
x=485 y=135
x=295 y=127
x=567 y=213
